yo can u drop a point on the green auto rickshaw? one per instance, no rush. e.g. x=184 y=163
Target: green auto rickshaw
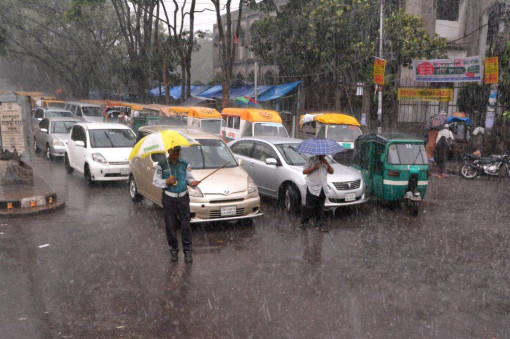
x=394 y=167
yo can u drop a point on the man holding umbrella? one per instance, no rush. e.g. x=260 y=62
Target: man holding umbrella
x=316 y=170
x=173 y=175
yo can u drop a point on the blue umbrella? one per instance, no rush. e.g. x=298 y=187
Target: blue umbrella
x=316 y=146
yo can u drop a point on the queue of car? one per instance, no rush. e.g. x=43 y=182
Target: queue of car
x=260 y=158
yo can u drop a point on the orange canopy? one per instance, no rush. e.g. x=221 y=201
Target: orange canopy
x=253 y=114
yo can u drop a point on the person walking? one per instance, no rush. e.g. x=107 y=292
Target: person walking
x=173 y=176
x=316 y=170
x=444 y=140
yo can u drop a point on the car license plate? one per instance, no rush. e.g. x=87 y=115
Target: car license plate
x=350 y=197
x=228 y=211
x=414 y=168
x=124 y=171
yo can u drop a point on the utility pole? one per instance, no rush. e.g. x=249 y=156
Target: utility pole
x=255 y=78
x=380 y=88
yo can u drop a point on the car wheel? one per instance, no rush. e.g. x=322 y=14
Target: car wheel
x=36 y=148
x=67 y=165
x=133 y=190
x=290 y=199
x=48 y=152
x=88 y=176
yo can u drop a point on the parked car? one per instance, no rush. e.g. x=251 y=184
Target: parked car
x=50 y=112
x=278 y=172
x=99 y=151
x=52 y=134
x=85 y=111
x=228 y=194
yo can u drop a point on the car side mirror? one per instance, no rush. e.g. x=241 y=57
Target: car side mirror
x=44 y=130
x=271 y=161
x=240 y=161
x=79 y=143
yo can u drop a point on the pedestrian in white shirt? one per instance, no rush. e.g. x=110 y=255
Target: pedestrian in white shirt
x=316 y=170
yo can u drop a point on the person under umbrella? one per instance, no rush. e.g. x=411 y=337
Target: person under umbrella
x=316 y=169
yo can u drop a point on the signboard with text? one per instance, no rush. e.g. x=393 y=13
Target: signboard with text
x=379 y=70
x=491 y=70
x=425 y=94
x=448 y=70
x=11 y=127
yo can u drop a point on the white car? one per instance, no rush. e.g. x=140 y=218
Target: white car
x=99 y=151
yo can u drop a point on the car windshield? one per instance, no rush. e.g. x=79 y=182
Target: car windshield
x=269 y=129
x=211 y=153
x=57 y=104
x=107 y=138
x=62 y=126
x=288 y=152
x=407 y=154
x=92 y=111
x=56 y=114
x=211 y=126
x=343 y=132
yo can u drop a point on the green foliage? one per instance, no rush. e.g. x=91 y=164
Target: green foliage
x=504 y=83
x=472 y=99
x=343 y=34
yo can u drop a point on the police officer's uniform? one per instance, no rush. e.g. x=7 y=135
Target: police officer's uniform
x=175 y=202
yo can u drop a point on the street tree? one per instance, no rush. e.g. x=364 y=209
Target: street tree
x=181 y=40
x=136 y=19
x=228 y=32
x=340 y=37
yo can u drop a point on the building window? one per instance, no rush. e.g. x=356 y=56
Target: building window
x=448 y=10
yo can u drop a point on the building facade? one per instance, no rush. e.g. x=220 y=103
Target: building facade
x=470 y=26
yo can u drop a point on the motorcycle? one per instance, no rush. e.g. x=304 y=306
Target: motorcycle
x=493 y=165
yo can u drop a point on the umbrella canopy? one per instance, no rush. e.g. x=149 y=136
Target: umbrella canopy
x=160 y=142
x=317 y=146
x=436 y=120
x=247 y=102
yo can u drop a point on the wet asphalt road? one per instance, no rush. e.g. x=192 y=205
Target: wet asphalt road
x=379 y=273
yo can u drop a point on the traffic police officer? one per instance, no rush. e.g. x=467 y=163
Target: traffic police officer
x=173 y=176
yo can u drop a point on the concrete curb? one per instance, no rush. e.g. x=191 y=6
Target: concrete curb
x=28 y=212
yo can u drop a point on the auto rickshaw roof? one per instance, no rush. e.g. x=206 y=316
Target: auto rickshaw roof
x=183 y=110
x=329 y=118
x=135 y=106
x=384 y=138
x=204 y=113
x=253 y=114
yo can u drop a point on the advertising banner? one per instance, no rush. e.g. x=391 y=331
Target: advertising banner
x=425 y=94
x=379 y=70
x=448 y=70
x=491 y=70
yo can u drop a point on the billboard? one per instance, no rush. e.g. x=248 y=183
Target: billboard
x=448 y=70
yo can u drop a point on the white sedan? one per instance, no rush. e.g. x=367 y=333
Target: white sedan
x=277 y=169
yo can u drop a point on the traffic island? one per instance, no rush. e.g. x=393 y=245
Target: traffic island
x=22 y=193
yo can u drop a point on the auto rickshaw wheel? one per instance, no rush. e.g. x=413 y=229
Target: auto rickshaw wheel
x=414 y=208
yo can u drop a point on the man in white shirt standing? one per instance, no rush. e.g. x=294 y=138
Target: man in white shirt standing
x=316 y=169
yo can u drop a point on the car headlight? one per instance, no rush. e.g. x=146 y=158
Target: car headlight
x=251 y=185
x=57 y=142
x=195 y=192
x=98 y=157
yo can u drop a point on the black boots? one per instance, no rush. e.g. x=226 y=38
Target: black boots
x=187 y=257
x=173 y=255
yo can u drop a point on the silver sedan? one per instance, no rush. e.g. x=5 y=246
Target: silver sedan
x=277 y=169
x=51 y=135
